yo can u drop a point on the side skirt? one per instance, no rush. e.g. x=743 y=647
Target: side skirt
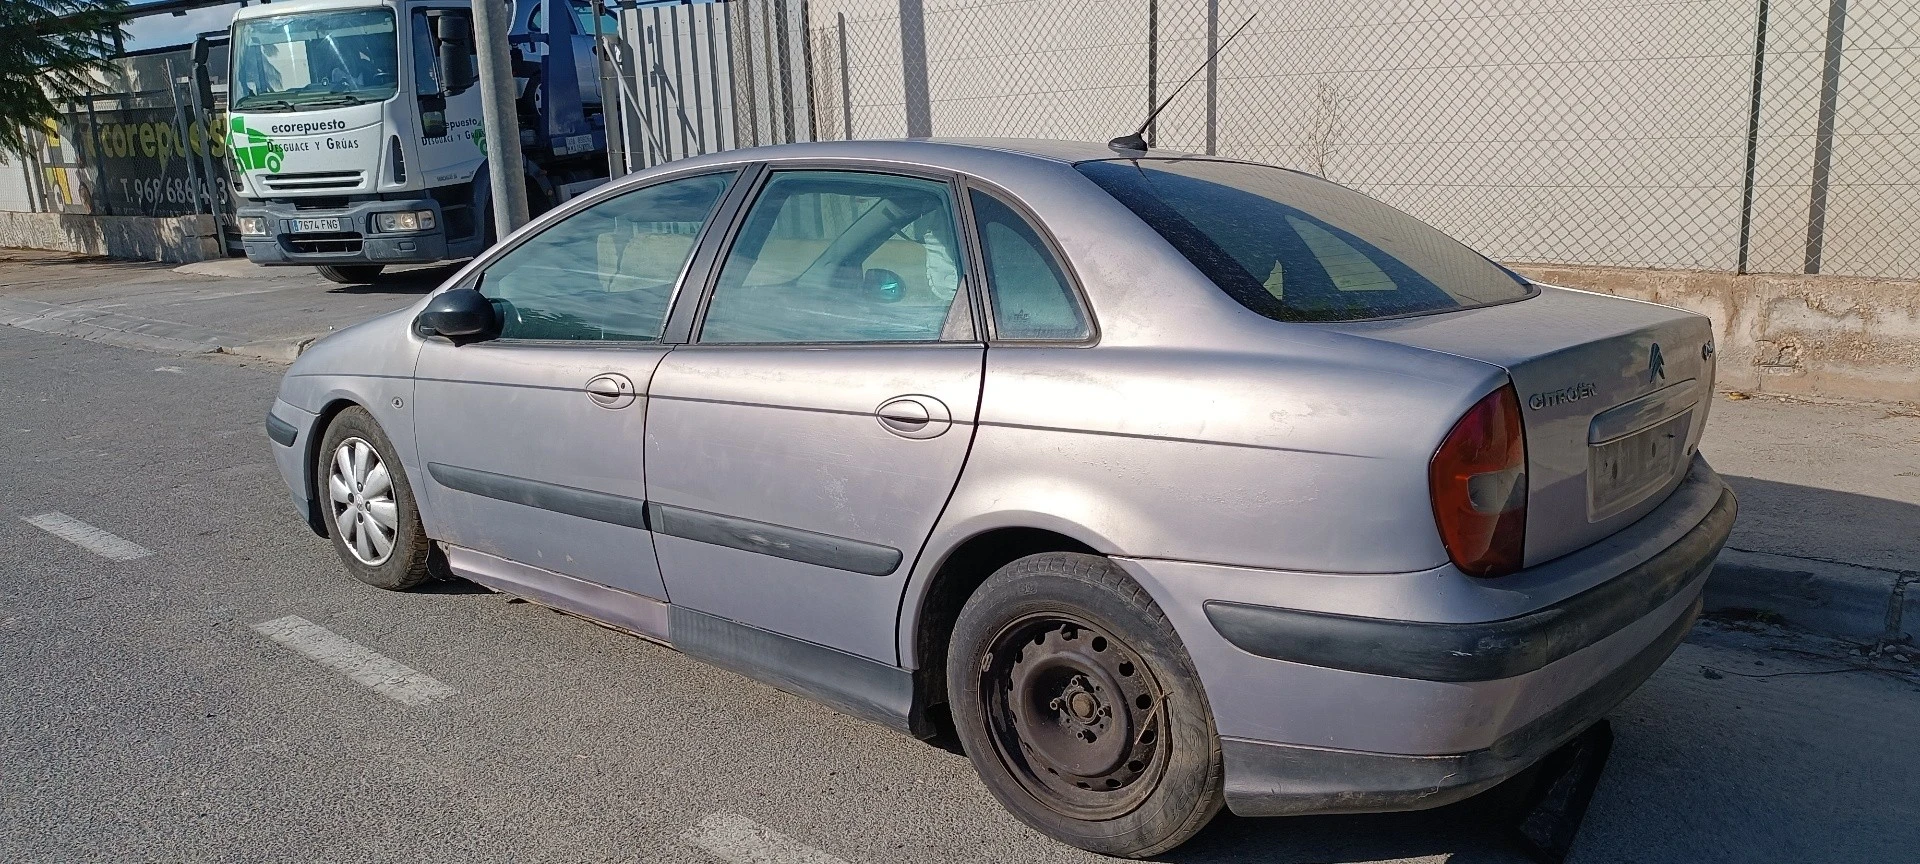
x=643 y=616
x=865 y=688
x=868 y=689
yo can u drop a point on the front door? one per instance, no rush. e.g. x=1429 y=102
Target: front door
x=802 y=446
x=532 y=441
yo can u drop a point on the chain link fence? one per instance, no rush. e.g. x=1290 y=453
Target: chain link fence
x=1727 y=135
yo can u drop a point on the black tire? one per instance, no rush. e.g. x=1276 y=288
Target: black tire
x=1057 y=653
x=410 y=560
x=352 y=274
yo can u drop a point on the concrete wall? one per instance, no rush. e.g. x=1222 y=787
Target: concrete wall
x=179 y=239
x=1831 y=336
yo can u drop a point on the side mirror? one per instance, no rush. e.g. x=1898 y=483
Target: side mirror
x=885 y=285
x=453 y=49
x=462 y=315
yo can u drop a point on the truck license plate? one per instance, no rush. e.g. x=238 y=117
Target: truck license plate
x=1621 y=472
x=304 y=225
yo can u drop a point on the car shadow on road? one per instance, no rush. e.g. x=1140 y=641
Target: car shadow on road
x=415 y=281
x=1461 y=833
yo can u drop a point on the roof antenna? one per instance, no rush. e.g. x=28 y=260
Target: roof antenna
x=1137 y=142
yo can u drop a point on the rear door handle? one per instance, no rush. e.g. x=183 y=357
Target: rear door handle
x=914 y=416
x=612 y=390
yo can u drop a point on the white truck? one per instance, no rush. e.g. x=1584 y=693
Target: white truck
x=355 y=128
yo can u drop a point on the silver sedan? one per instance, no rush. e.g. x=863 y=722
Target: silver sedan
x=1166 y=483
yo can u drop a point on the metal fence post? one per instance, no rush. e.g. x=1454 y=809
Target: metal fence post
x=913 y=68
x=1823 y=133
x=1753 y=138
x=846 y=85
x=98 y=198
x=182 y=144
x=1153 y=68
x=1213 y=74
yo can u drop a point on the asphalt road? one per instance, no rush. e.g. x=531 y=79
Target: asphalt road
x=143 y=718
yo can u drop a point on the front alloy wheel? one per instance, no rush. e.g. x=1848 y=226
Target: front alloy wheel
x=364 y=512
x=369 y=506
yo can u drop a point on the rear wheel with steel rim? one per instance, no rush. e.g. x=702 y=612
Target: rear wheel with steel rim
x=1080 y=709
x=369 y=505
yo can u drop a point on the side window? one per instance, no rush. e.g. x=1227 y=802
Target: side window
x=839 y=256
x=426 y=80
x=1029 y=293
x=606 y=273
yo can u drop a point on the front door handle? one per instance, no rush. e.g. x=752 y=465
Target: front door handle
x=612 y=390
x=914 y=416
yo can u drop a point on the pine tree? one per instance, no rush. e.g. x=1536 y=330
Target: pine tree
x=48 y=48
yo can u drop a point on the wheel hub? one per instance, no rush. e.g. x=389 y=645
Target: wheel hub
x=1076 y=715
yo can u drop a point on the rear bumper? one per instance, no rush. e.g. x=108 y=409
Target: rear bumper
x=1361 y=710
x=356 y=243
x=1268 y=779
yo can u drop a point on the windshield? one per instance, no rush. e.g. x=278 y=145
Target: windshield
x=313 y=60
x=1294 y=247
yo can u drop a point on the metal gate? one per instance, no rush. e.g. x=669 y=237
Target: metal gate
x=704 y=77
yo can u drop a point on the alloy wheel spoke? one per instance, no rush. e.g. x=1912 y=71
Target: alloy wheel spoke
x=382 y=542
x=347 y=521
x=385 y=514
x=379 y=481
x=343 y=463
x=338 y=490
x=362 y=453
x=361 y=541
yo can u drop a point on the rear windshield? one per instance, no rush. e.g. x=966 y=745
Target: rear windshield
x=1293 y=247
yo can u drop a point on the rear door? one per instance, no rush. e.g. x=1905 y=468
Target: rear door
x=533 y=440
x=803 y=444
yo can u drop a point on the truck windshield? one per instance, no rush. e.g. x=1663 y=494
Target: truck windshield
x=1294 y=247
x=313 y=60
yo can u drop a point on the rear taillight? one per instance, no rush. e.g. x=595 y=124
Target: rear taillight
x=1478 y=480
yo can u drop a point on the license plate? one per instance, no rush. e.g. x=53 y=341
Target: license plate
x=1624 y=471
x=304 y=225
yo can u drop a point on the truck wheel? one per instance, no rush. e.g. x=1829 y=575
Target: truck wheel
x=370 y=510
x=1080 y=709
x=352 y=274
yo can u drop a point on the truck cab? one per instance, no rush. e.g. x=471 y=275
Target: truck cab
x=356 y=131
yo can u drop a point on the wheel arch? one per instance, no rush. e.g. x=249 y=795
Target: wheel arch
x=316 y=518
x=930 y=611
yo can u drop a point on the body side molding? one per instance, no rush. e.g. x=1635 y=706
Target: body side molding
x=584 y=503
x=794 y=544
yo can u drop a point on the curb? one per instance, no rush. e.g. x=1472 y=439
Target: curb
x=146 y=334
x=1849 y=601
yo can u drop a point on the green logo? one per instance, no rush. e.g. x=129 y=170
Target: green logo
x=252 y=150
x=479 y=137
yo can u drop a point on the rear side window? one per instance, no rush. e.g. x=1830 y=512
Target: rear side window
x=1030 y=295
x=1294 y=247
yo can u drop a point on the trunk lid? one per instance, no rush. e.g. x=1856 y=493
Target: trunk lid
x=1614 y=394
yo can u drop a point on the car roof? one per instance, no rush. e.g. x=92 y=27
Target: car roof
x=963 y=154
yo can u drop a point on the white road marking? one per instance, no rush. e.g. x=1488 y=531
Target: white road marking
x=88 y=537
x=744 y=841
x=364 y=665
x=174 y=369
